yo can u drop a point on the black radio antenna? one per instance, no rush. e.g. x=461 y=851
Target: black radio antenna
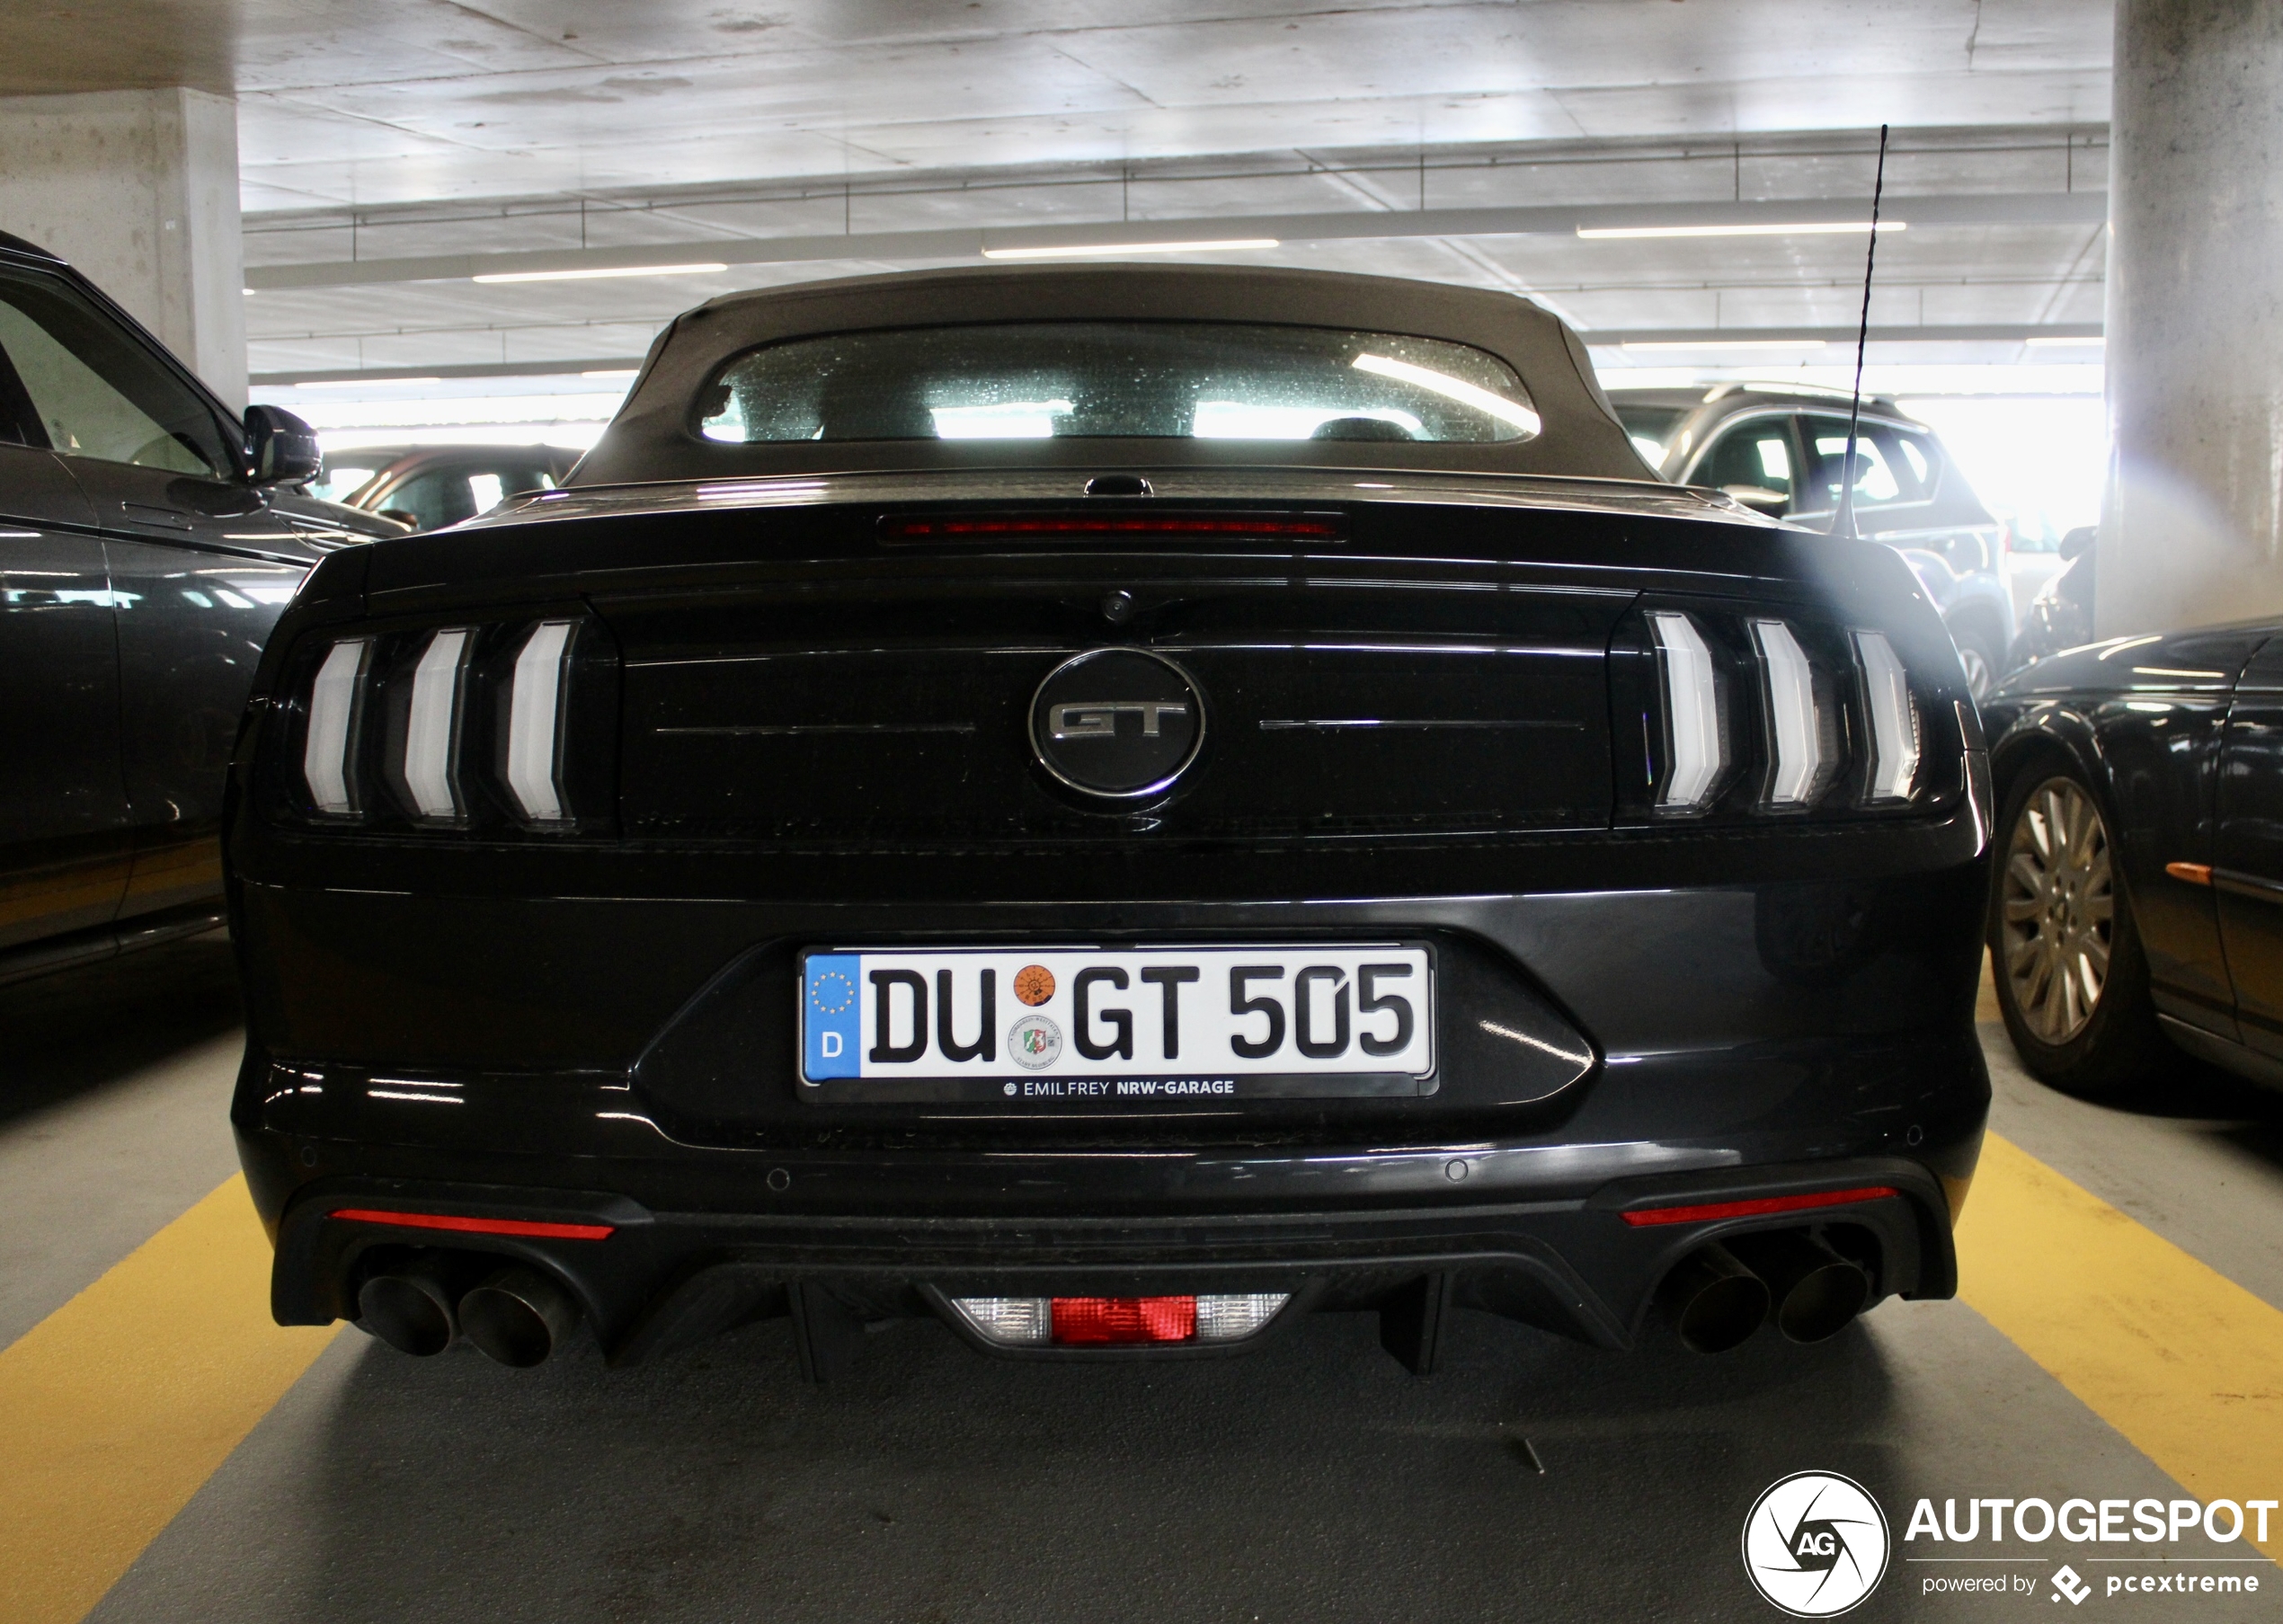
x=1842 y=522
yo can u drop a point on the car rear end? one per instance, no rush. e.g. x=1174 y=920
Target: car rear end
x=543 y=990
x=1113 y=910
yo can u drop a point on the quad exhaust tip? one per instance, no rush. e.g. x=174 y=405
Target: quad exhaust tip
x=1719 y=1294
x=520 y=1316
x=1814 y=1290
x=1713 y=1300
x=412 y=1309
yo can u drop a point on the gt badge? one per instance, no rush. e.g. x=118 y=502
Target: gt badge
x=1119 y=724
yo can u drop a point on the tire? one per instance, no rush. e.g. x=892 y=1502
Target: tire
x=1978 y=652
x=2072 y=982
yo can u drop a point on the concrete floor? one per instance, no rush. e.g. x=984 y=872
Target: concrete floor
x=1314 y=1481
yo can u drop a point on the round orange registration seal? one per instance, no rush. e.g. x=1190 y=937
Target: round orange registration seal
x=1034 y=984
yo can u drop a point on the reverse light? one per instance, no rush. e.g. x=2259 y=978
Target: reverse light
x=433 y=728
x=1692 y=711
x=1806 y=754
x=535 y=722
x=1894 y=720
x=1231 y=1317
x=1009 y=1322
x=335 y=700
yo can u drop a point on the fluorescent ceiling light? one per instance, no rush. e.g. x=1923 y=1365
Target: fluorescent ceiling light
x=1723 y=343
x=360 y=383
x=1081 y=250
x=1450 y=388
x=2046 y=338
x=598 y=270
x=1800 y=228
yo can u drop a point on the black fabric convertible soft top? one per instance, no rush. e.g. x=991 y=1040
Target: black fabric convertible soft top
x=654 y=436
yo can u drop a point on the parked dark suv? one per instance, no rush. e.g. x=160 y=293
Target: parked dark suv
x=1778 y=451
x=146 y=547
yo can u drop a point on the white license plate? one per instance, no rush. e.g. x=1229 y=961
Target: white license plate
x=1169 y=1026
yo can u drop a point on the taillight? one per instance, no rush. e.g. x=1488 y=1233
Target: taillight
x=457 y=727
x=534 y=768
x=1695 y=714
x=1803 y=721
x=1893 y=719
x=1741 y=715
x=336 y=703
x=430 y=766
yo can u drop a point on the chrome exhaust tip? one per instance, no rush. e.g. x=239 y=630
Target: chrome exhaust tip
x=520 y=1316
x=411 y=1308
x=1815 y=1291
x=1712 y=1299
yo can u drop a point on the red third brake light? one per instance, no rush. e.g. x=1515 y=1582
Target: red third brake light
x=1016 y=526
x=1124 y=1318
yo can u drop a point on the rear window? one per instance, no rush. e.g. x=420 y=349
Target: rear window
x=1152 y=380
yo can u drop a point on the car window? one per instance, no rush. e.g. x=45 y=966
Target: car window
x=1650 y=429
x=1038 y=381
x=1754 y=454
x=341 y=479
x=1891 y=464
x=446 y=496
x=95 y=391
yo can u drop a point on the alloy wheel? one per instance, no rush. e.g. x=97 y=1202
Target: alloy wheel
x=1979 y=676
x=2058 y=903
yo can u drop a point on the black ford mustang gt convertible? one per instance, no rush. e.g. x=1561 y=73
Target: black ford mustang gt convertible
x=1114 y=807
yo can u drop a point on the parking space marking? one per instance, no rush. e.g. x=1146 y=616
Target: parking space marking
x=2184 y=1363
x=123 y=1401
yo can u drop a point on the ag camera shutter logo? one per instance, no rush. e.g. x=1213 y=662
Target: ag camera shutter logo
x=1814 y=1544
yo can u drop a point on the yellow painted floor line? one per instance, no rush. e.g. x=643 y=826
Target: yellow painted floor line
x=116 y=1406
x=2183 y=1362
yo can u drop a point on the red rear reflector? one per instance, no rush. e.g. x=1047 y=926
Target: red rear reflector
x=476 y=1225
x=984 y=526
x=1756 y=1209
x=1124 y=1318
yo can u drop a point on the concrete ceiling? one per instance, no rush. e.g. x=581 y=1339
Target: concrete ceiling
x=585 y=127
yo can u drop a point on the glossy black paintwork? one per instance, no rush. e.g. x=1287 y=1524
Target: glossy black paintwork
x=2247 y=851
x=64 y=838
x=1757 y=994
x=137 y=603
x=2181 y=735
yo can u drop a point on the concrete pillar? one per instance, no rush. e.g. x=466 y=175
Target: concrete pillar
x=139 y=189
x=2191 y=529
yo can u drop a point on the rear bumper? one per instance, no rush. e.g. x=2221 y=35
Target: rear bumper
x=612 y=1061
x=662 y=1279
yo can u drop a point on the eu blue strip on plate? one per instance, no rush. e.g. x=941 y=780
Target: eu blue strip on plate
x=831 y=1011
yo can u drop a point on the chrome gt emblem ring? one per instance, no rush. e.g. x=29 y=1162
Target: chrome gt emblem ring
x=1118 y=723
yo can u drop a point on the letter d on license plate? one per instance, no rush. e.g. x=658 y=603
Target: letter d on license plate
x=1074 y=1026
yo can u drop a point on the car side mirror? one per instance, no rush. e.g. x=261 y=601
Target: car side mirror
x=2077 y=541
x=281 y=447
x=1760 y=499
